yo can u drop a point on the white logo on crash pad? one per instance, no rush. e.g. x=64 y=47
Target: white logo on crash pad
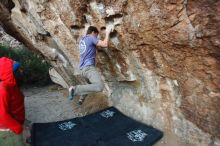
x=67 y=125
x=136 y=135
x=107 y=114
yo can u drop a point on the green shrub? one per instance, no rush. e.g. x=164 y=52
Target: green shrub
x=34 y=67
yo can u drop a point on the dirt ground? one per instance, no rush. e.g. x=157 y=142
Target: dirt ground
x=49 y=104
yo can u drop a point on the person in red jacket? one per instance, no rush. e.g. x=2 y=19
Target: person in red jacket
x=12 y=114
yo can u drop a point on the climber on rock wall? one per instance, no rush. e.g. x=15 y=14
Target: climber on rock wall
x=88 y=45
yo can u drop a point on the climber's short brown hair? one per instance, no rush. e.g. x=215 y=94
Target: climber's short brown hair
x=92 y=29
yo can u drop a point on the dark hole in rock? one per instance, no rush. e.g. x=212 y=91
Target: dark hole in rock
x=103 y=28
x=111 y=17
x=23 y=10
x=75 y=27
x=84 y=19
x=113 y=34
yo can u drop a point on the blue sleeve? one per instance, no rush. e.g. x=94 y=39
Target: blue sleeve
x=95 y=40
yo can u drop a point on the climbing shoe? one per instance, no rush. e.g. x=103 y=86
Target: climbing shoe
x=81 y=99
x=71 y=93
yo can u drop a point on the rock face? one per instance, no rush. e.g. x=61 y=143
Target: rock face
x=7 y=40
x=163 y=63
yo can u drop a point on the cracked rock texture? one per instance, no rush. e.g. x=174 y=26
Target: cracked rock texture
x=162 y=66
x=7 y=40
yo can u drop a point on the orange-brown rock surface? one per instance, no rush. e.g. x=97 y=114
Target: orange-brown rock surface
x=163 y=63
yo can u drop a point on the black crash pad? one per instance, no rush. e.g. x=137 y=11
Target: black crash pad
x=108 y=127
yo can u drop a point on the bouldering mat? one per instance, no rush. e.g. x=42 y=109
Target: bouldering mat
x=108 y=127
